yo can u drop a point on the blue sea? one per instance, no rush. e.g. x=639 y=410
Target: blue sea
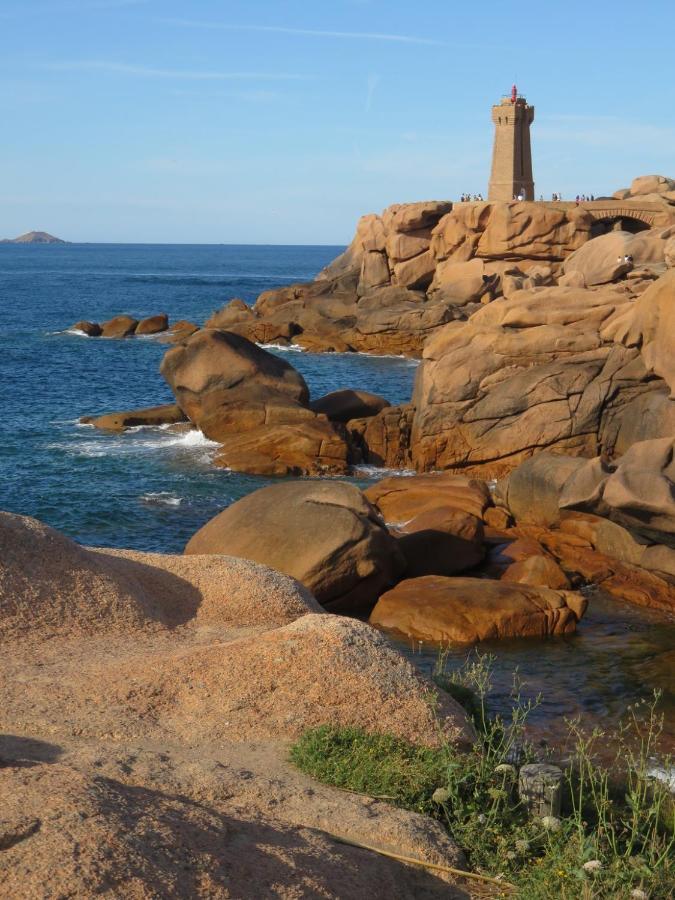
x=151 y=489
x=147 y=489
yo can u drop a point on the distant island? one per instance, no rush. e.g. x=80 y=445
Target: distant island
x=34 y=237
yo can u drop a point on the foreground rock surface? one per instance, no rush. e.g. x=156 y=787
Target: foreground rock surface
x=324 y=534
x=464 y=610
x=152 y=755
x=159 y=825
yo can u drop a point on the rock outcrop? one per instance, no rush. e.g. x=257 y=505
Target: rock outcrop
x=383 y=439
x=254 y=404
x=649 y=187
x=441 y=541
x=91 y=329
x=153 y=755
x=119 y=327
x=608 y=257
x=401 y=498
x=465 y=610
x=344 y=405
x=437 y=520
x=153 y=324
x=612 y=523
x=649 y=325
x=224 y=383
x=324 y=534
x=408 y=272
x=167 y=414
x=124 y=326
x=553 y=368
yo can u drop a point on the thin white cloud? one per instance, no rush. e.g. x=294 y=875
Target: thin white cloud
x=306 y=32
x=98 y=65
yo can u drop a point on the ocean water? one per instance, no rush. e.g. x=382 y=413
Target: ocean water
x=148 y=489
x=151 y=489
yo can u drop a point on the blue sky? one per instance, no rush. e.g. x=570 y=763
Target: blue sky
x=282 y=122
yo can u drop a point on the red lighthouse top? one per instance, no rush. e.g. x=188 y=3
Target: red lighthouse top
x=514 y=94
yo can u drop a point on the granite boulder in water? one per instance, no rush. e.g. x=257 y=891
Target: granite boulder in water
x=324 y=534
x=254 y=404
x=465 y=610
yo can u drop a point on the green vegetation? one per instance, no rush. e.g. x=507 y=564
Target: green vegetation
x=614 y=838
x=379 y=765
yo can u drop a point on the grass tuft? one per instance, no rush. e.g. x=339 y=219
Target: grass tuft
x=380 y=765
x=614 y=839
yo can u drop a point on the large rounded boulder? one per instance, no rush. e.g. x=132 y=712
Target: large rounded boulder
x=326 y=535
x=119 y=326
x=215 y=371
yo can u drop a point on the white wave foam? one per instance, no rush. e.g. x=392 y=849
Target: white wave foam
x=140 y=439
x=196 y=438
x=287 y=348
x=411 y=361
x=379 y=472
x=74 y=331
x=161 y=498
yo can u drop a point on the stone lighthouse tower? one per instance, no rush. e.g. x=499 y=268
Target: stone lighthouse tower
x=511 y=174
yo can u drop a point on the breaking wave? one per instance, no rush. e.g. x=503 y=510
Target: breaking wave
x=161 y=498
x=140 y=439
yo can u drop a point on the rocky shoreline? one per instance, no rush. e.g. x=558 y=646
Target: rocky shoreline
x=148 y=700
x=543 y=345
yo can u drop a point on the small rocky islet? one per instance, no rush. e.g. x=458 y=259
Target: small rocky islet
x=34 y=237
x=164 y=689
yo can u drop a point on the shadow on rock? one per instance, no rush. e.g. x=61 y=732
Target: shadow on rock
x=24 y=752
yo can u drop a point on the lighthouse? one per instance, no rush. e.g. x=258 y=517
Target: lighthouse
x=511 y=174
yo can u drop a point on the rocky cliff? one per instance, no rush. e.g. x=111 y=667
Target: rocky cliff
x=541 y=326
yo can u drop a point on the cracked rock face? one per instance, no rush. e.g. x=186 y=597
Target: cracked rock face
x=555 y=368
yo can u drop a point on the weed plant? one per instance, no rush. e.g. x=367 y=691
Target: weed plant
x=614 y=838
